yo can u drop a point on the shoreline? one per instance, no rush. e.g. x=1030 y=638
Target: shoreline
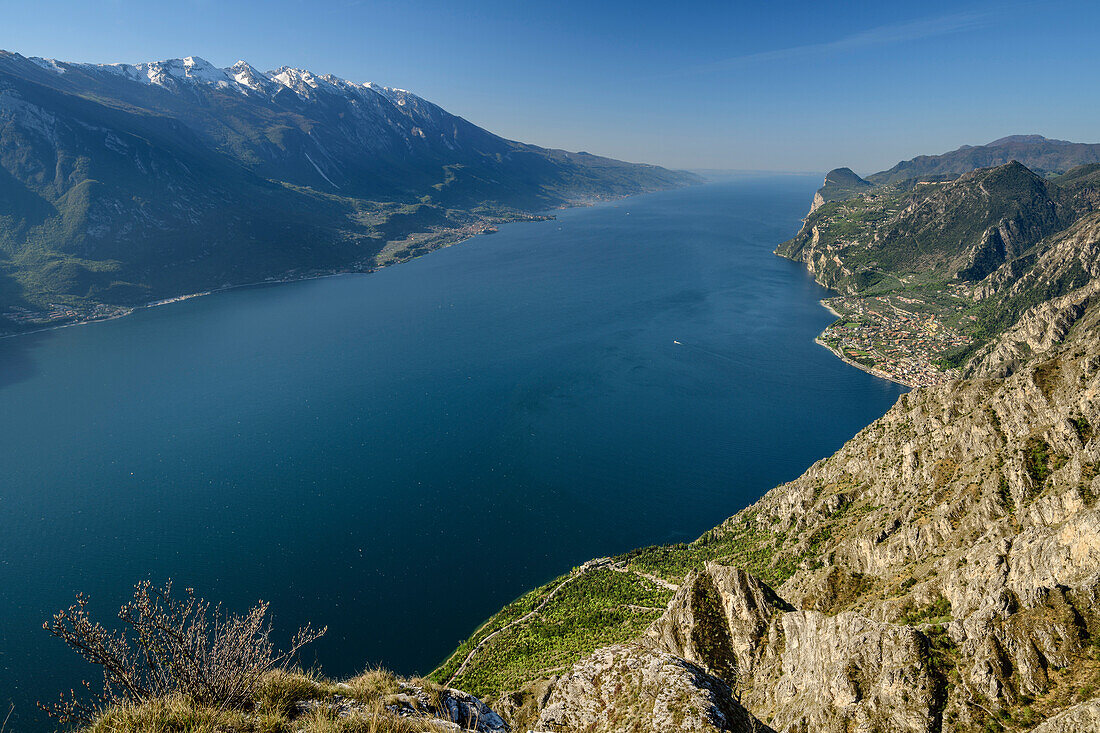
x=351 y=270
x=870 y=370
x=829 y=308
x=129 y=310
x=490 y=227
x=852 y=362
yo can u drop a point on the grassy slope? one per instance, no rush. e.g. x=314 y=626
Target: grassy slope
x=603 y=607
x=281 y=707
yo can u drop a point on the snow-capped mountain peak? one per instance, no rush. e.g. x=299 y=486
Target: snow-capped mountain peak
x=301 y=81
x=48 y=64
x=246 y=75
x=199 y=68
x=176 y=74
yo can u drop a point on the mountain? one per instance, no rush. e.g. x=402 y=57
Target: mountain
x=960 y=229
x=1041 y=154
x=929 y=269
x=121 y=184
x=840 y=183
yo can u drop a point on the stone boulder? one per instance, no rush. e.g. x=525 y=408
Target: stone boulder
x=633 y=687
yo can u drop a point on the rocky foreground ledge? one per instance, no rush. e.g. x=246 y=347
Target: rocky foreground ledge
x=374 y=702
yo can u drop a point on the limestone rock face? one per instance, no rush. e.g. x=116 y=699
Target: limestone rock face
x=1070 y=262
x=803 y=670
x=818 y=202
x=847 y=672
x=636 y=688
x=724 y=620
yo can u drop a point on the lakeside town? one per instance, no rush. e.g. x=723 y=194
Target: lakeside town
x=56 y=314
x=897 y=337
x=19 y=319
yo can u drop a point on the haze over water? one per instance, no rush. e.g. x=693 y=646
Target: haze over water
x=399 y=454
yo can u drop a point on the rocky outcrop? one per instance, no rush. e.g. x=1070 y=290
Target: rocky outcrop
x=848 y=672
x=817 y=203
x=636 y=688
x=840 y=184
x=724 y=620
x=802 y=670
x=430 y=707
x=1040 y=297
x=464 y=710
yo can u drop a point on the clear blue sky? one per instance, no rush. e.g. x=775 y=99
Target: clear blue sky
x=781 y=86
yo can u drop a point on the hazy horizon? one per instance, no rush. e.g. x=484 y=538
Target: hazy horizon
x=791 y=89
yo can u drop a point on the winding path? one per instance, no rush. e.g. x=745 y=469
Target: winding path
x=602 y=562
x=590 y=565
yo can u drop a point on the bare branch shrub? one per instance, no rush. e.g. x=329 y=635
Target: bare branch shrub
x=172 y=646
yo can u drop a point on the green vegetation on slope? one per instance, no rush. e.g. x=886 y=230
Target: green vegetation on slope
x=604 y=606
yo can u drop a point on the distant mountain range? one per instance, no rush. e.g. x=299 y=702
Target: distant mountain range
x=1040 y=154
x=124 y=183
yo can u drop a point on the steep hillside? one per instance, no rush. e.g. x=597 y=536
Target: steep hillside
x=960 y=230
x=123 y=184
x=923 y=266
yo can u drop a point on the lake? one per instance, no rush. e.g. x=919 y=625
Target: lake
x=399 y=454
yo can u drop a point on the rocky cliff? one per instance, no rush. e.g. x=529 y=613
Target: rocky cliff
x=840 y=184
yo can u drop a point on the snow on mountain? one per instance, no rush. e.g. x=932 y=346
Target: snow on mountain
x=241 y=76
x=370 y=103
x=168 y=74
x=49 y=64
x=246 y=75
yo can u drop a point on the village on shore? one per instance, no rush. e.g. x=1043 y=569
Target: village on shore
x=899 y=337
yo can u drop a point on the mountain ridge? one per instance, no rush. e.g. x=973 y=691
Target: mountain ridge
x=1041 y=154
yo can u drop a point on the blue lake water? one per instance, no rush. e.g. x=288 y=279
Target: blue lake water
x=399 y=454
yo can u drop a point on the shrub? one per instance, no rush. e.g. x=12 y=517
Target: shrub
x=172 y=647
